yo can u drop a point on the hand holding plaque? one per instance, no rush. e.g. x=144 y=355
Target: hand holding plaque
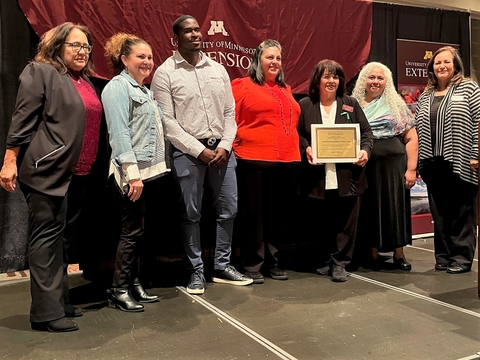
x=338 y=143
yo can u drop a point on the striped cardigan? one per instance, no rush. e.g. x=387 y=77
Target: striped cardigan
x=457 y=128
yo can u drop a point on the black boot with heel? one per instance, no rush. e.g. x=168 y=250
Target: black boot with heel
x=141 y=295
x=121 y=299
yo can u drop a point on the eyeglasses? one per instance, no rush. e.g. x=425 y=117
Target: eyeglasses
x=76 y=47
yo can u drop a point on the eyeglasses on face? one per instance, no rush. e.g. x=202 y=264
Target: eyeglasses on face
x=76 y=47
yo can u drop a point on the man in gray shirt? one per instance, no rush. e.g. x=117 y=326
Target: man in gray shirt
x=196 y=99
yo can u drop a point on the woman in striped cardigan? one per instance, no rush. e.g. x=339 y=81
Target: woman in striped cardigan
x=447 y=118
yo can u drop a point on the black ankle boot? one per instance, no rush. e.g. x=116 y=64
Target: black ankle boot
x=72 y=311
x=59 y=325
x=121 y=298
x=141 y=295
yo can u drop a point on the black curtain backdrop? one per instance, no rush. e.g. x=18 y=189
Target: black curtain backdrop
x=412 y=23
x=392 y=22
x=18 y=43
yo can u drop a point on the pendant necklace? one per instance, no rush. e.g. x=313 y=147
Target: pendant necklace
x=289 y=130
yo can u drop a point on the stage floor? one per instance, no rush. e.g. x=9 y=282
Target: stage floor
x=389 y=314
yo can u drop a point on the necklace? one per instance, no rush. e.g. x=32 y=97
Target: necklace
x=441 y=92
x=77 y=79
x=289 y=130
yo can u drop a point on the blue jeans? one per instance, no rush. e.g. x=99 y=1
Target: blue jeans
x=193 y=177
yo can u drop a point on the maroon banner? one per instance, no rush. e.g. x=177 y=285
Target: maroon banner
x=412 y=59
x=308 y=30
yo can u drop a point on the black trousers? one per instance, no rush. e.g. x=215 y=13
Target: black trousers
x=52 y=227
x=265 y=209
x=453 y=204
x=75 y=199
x=48 y=275
x=132 y=217
x=337 y=227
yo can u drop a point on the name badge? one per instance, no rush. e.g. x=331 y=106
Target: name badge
x=457 y=98
x=347 y=108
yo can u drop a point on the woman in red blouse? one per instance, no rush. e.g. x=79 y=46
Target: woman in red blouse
x=268 y=156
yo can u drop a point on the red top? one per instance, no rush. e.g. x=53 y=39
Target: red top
x=267 y=118
x=93 y=116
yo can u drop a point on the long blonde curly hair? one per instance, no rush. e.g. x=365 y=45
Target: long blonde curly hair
x=393 y=99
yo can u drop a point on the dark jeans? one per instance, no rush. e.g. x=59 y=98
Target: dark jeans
x=132 y=216
x=193 y=177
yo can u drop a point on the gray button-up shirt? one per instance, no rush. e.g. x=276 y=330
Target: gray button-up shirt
x=196 y=102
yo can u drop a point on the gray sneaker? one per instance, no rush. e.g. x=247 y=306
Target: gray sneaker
x=256 y=276
x=231 y=276
x=196 y=285
x=324 y=270
x=276 y=273
x=338 y=274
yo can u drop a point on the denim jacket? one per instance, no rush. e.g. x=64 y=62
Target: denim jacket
x=131 y=115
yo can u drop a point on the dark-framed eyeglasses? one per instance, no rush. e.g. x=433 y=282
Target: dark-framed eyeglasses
x=76 y=47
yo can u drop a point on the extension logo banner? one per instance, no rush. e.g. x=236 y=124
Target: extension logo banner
x=308 y=30
x=412 y=59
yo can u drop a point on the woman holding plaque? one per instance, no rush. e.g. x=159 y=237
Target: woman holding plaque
x=447 y=118
x=268 y=157
x=333 y=187
x=385 y=216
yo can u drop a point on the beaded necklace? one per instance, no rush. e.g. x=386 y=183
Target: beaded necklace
x=289 y=130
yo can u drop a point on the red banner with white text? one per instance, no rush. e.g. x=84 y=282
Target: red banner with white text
x=309 y=30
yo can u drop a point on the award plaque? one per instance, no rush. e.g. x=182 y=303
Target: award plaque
x=337 y=143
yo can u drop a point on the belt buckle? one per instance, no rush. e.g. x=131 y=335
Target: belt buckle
x=211 y=141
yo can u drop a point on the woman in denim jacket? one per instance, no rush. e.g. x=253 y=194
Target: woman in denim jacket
x=138 y=156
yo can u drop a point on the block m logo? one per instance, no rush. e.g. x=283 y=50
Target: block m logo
x=428 y=55
x=217 y=27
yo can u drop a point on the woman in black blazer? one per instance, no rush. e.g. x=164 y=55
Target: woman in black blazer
x=334 y=188
x=52 y=145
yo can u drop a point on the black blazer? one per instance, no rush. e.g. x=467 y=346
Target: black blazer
x=351 y=178
x=48 y=125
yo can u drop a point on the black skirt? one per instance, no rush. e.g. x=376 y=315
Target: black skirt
x=385 y=212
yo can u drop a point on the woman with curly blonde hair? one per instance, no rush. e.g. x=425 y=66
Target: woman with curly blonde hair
x=385 y=215
x=138 y=157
